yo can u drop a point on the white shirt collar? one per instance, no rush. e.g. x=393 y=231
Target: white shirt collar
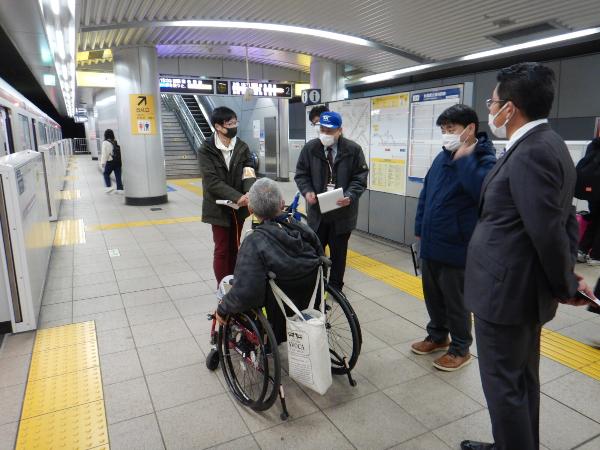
x=521 y=132
x=224 y=147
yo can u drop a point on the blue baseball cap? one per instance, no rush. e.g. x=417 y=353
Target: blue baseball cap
x=330 y=119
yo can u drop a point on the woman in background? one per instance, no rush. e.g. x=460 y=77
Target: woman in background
x=110 y=161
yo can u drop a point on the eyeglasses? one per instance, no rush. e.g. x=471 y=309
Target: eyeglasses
x=489 y=102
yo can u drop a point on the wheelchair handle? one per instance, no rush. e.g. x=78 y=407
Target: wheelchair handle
x=325 y=261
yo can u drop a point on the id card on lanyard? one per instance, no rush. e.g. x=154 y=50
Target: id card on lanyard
x=331 y=183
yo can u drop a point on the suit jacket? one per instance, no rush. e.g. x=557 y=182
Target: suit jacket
x=350 y=172
x=522 y=254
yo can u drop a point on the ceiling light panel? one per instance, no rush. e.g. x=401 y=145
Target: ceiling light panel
x=60 y=22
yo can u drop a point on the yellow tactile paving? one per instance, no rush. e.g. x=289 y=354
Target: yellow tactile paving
x=81 y=427
x=70 y=178
x=555 y=346
x=189 y=184
x=58 y=361
x=64 y=401
x=143 y=223
x=64 y=391
x=72 y=194
x=69 y=232
x=72 y=334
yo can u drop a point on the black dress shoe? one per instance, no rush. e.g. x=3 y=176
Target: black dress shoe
x=474 y=445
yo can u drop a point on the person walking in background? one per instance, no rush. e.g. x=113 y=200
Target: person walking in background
x=328 y=163
x=110 y=161
x=522 y=254
x=446 y=216
x=588 y=188
x=228 y=173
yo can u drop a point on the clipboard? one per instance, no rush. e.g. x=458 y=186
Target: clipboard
x=328 y=200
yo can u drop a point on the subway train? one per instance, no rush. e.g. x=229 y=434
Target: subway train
x=23 y=125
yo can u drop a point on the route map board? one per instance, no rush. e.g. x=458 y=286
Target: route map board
x=356 y=120
x=389 y=143
x=425 y=137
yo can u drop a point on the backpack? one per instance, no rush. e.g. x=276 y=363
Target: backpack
x=116 y=153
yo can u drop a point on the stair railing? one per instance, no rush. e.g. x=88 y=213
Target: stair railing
x=192 y=131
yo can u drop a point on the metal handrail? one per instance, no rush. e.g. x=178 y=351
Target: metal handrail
x=192 y=131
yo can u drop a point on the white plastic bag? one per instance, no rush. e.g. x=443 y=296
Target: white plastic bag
x=308 y=346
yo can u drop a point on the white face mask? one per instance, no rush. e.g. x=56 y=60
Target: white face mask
x=452 y=142
x=499 y=132
x=326 y=139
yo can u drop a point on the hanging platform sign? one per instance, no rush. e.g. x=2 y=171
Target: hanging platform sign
x=186 y=85
x=142 y=111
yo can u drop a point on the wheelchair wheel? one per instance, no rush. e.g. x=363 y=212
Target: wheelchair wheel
x=250 y=360
x=343 y=331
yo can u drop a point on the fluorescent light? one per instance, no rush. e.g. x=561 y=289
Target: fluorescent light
x=273 y=27
x=389 y=75
x=531 y=44
x=49 y=79
x=55 y=5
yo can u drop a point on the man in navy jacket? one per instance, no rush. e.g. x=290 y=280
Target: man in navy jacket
x=446 y=217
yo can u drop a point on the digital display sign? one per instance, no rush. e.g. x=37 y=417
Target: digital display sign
x=186 y=85
x=260 y=89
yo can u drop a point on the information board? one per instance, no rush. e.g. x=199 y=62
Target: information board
x=356 y=120
x=143 y=114
x=186 y=85
x=425 y=137
x=389 y=143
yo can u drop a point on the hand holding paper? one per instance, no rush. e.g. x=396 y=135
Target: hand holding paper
x=328 y=201
x=229 y=203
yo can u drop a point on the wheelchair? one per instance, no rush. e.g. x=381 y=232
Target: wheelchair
x=247 y=351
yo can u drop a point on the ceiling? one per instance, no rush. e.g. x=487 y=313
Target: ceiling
x=409 y=31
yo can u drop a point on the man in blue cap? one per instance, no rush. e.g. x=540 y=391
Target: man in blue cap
x=328 y=163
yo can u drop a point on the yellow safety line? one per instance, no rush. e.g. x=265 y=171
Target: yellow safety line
x=188 y=184
x=562 y=349
x=64 y=400
x=69 y=232
x=143 y=223
x=74 y=194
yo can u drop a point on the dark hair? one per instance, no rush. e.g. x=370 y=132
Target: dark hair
x=221 y=115
x=530 y=86
x=109 y=135
x=317 y=111
x=460 y=115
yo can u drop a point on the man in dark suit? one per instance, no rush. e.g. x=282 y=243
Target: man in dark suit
x=522 y=254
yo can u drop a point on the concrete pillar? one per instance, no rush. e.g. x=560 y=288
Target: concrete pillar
x=142 y=152
x=329 y=77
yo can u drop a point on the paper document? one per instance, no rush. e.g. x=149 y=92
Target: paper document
x=327 y=200
x=229 y=203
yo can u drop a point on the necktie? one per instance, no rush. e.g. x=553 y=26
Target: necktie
x=330 y=159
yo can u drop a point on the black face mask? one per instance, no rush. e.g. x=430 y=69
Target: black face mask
x=231 y=132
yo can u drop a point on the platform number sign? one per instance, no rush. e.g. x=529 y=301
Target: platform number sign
x=143 y=114
x=311 y=96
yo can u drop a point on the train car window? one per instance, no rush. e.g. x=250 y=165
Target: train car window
x=25 y=133
x=35 y=139
x=6 y=142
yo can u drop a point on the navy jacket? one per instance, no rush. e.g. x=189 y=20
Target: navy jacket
x=448 y=205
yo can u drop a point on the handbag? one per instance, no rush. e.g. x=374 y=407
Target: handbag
x=308 y=345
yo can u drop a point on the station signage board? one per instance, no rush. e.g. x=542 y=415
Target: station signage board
x=186 y=85
x=261 y=89
x=142 y=110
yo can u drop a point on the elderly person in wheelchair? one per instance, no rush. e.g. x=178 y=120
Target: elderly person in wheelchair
x=289 y=249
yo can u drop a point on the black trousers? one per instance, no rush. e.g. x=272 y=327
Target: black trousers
x=443 y=286
x=338 y=250
x=509 y=360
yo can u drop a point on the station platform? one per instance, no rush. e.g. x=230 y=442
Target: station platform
x=123 y=337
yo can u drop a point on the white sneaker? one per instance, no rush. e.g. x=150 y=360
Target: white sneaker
x=119 y=191
x=108 y=190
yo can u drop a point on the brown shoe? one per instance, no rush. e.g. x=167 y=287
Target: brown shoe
x=451 y=362
x=427 y=346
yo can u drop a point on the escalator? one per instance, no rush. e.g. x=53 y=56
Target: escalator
x=196 y=111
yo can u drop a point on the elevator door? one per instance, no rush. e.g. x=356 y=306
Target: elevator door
x=271 y=147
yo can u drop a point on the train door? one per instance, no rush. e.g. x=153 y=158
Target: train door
x=6 y=142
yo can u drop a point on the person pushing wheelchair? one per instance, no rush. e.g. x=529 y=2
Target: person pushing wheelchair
x=289 y=249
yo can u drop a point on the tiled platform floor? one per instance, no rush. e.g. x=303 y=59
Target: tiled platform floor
x=149 y=305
